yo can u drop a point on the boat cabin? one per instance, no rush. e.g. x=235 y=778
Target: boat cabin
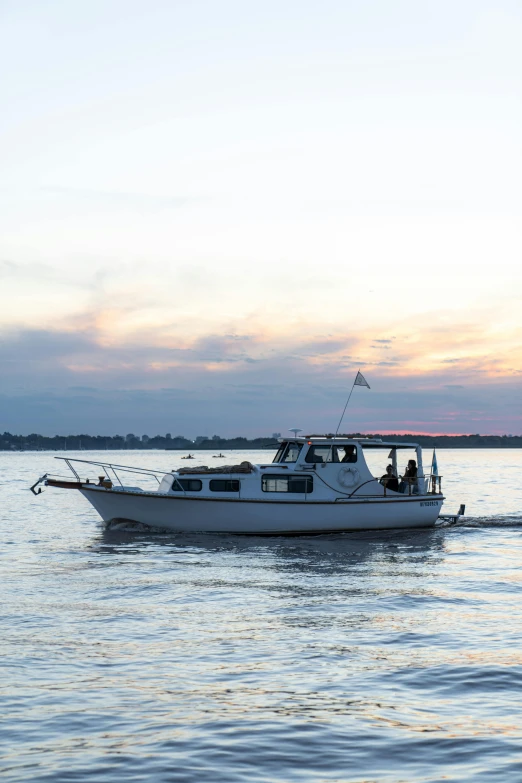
x=320 y=449
x=318 y=466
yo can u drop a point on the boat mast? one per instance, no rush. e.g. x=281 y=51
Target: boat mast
x=360 y=380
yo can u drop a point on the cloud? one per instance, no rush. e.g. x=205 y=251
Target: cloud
x=324 y=347
x=42 y=345
x=260 y=408
x=88 y=365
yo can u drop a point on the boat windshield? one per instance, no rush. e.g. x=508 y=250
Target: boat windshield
x=288 y=452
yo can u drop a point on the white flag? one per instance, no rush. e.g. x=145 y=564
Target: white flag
x=434 y=466
x=360 y=380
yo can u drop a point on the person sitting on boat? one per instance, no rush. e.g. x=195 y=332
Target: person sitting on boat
x=350 y=454
x=389 y=480
x=409 y=478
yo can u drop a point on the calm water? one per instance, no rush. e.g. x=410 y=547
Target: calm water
x=362 y=657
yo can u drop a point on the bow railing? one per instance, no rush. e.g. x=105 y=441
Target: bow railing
x=111 y=469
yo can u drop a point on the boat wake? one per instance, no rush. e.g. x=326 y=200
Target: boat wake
x=128 y=526
x=508 y=520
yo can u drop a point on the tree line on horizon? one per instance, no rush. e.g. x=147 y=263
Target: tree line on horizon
x=35 y=442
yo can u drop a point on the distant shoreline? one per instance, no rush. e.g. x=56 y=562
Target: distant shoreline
x=65 y=443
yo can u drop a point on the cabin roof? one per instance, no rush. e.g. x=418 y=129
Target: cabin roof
x=366 y=443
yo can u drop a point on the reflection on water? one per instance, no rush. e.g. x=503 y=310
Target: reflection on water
x=389 y=656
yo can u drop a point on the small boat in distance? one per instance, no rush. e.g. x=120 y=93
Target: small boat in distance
x=314 y=484
x=189 y=456
x=217 y=455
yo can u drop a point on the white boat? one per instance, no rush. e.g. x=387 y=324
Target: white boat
x=315 y=484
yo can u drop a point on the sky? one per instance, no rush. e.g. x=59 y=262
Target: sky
x=212 y=214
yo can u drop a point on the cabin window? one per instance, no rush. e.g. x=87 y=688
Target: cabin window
x=224 y=485
x=347 y=453
x=189 y=485
x=324 y=453
x=288 y=452
x=298 y=485
x=280 y=452
x=317 y=454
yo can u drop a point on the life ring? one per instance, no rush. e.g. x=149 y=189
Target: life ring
x=348 y=477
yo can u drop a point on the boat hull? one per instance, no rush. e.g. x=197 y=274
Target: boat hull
x=260 y=517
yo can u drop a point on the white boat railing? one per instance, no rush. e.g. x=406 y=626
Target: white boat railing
x=413 y=485
x=109 y=467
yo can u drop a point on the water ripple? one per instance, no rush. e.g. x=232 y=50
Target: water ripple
x=383 y=657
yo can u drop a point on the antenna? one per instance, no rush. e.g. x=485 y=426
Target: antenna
x=295 y=430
